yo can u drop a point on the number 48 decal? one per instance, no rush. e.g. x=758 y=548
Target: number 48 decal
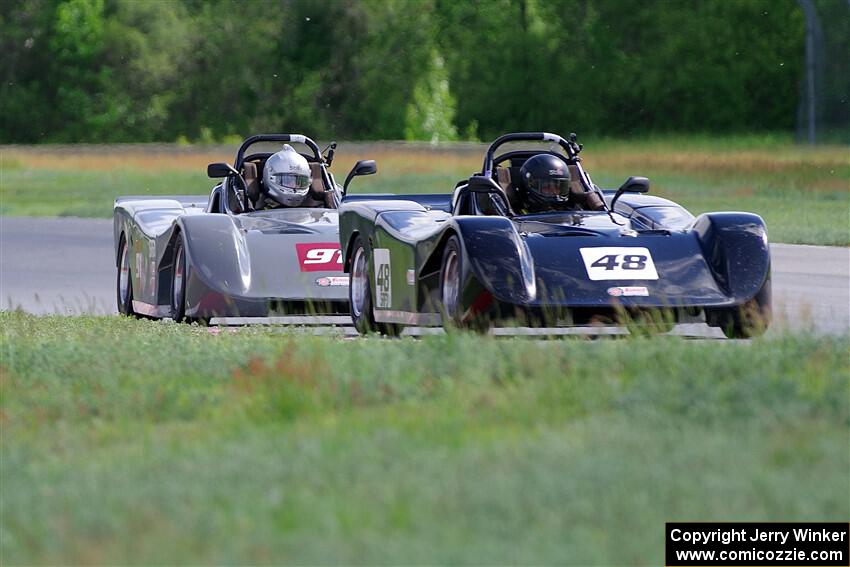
x=618 y=263
x=383 y=278
x=630 y=262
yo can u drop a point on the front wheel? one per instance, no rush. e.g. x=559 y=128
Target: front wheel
x=745 y=321
x=451 y=283
x=360 y=295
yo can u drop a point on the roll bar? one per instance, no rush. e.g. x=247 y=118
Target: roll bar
x=296 y=138
x=570 y=146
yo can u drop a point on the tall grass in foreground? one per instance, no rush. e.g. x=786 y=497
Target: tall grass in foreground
x=140 y=442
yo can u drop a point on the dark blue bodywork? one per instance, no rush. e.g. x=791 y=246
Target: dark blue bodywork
x=530 y=267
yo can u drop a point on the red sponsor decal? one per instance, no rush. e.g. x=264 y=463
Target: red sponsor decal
x=319 y=256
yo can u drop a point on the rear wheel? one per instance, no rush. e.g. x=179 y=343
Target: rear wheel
x=178 y=283
x=124 y=281
x=360 y=295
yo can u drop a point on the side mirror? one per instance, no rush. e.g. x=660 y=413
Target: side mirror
x=362 y=167
x=632 y=185
x=218 y=170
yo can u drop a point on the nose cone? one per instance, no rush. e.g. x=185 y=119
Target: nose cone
x=659 y=270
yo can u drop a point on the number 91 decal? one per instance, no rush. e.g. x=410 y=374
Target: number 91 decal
x=319 y=256
x=614 y=263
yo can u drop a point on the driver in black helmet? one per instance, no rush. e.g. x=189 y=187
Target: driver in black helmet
x=546 y=186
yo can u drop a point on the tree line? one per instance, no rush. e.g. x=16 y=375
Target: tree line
x=208 y=70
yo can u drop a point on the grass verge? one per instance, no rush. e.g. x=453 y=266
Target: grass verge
x=803 y=193
x=141 y=442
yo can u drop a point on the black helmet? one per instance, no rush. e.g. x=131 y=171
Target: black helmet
x=545 y=181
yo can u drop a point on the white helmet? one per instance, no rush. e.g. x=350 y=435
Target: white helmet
x=287 y=177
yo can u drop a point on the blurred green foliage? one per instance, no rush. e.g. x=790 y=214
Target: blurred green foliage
x=120 y=70
x=430 y=116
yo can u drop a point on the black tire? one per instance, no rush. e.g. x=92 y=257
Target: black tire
x=451 y=283
x=360 y=295
x=178 y=282
x=124 y=280
x=745 y=321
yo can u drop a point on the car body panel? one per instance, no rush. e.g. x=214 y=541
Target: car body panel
x=534 y=262
x=239 y=263
x=246 y=264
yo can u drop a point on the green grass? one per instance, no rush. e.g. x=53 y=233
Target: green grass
x=40 y=192
x=803 y=193
x=792 y=214
x=141 y=442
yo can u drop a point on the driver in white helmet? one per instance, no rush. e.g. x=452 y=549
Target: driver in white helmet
x=286 y=181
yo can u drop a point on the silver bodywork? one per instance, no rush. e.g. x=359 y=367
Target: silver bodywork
x=237 y=265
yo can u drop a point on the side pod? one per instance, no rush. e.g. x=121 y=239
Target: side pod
x=736 y=248
x=218 y=267
x=498 y=257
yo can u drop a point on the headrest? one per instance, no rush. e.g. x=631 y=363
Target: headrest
x=318 y=186
x=575 y=181
x=503 y=174
x=588 y=200
x=252 y=182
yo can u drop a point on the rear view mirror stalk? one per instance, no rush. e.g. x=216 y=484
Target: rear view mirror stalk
x=329 y=156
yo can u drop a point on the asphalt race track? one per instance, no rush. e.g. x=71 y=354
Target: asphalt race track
x=66 y=266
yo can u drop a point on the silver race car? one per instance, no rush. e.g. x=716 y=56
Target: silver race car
x=193 y=259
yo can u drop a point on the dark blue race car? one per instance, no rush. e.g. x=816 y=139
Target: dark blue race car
x=476 y=257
